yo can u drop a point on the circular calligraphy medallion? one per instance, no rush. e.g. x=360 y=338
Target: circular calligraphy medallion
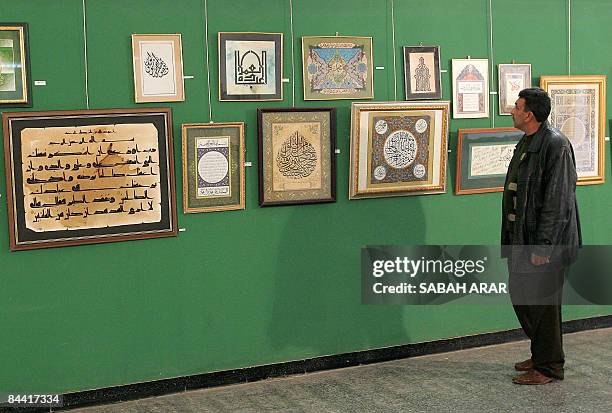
x=421 y=125
x=419 y=170
x=380 y=172
x=213 y=167
x=381 y=127
x=400 y=149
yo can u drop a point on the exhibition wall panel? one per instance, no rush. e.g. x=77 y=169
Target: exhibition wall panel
x=261 y=285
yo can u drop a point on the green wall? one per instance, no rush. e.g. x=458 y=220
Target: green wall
x=260 y=286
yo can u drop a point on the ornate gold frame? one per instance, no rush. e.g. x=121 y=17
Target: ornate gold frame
x=356 y=145
x=599 y=80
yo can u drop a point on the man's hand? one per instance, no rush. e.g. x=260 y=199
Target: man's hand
x=538 y=260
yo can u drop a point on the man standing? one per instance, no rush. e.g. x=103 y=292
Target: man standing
x=540 y=233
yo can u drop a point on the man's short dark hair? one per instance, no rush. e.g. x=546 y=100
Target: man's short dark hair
x=537 y=102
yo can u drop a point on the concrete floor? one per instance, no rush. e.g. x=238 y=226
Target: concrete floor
x=476 y=380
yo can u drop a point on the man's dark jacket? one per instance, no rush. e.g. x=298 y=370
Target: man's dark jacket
x=547 y=222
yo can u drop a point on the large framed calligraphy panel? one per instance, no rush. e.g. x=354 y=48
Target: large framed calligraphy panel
x=15 y=88
x=337 y=67
x=422 y=72
x=511 y=79
x=158 y=68
x=250 y=66
x=470 y=88
x=398 y=149
x=483 y=156
x=213 y=167
x=88 y=176
x=297 y=162
x=578 y=109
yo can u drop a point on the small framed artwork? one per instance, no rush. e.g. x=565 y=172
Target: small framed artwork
x=398 y=148
x=470 y=88
x=337 y=67
x=297 y=161
x=578 y=110
x=213 y=167
x=88 y=176
x=422 y=72
x=158 y=68
x=483 y=156
x=15 y=86
x=512 y=78
x=250 y=66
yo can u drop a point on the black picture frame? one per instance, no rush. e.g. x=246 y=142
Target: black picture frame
x=88 y=129
x=287 y=175
x=257 y=84
x=411 y=53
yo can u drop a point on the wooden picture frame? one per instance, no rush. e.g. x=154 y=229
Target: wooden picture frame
x=250 y=66
x=470 y=88
x=89 y=176
x=213 y=167
x=158 y=68
x=422 y=72
x=297 y=160
x=337 y=67
x=15 y=82
x=511 y=79
x=483 y=156
x=398 y=149
x=578 y=110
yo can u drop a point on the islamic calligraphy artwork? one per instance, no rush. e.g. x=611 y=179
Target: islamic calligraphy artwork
x=578 y=109
x=15 y=88
x=337 y=67
x=250 y=66
x=422 y=72
x=155 y=66
x=88 y=176
x=483 y=157
x=512 y=78
x=213 y=167
x=296 y=156
x=398 y=149
x=158 y=68
x=470 y=88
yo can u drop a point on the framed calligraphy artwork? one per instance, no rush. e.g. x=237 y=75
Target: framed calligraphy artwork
x=483 y=156
x=213 y=167
x=337 y=67
x=470 y=88
x=422 y=72
x=398 y=148
x=88 y=176
x=158 y=68
x=512 y=78
x=250 y=66
x=578 y=109
x=297 y=163
x=15 y=87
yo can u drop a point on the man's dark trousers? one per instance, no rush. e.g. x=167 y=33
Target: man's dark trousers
x=536 y=299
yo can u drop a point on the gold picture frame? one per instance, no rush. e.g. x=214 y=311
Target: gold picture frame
x=213 y=167
x=158 y=76
x=349 y=74
x=578 y=110
x=398 y=148
x=15 y=83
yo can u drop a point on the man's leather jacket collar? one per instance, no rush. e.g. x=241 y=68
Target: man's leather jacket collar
x=536 y=141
